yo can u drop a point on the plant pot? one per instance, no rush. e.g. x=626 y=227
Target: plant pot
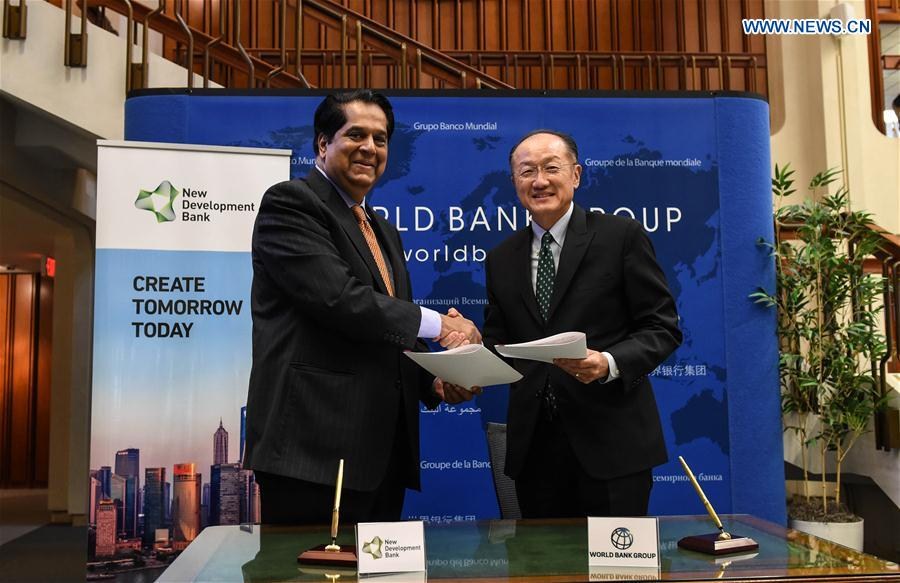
x=848 y=534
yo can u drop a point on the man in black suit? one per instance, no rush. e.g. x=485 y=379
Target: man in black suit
x=583 y=434
x=331 y=318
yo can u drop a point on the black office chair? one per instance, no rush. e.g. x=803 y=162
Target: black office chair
x=504 y=486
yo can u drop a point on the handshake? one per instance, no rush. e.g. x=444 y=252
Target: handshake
x=457 y=330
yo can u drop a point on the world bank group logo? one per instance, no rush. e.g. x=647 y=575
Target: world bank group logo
x=621 y=538
x=159 y=201
x=373 y=547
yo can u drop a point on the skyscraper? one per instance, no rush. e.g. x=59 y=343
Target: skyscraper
x=95 y=498
x=128 y=463
x=103 y=475
x=255 y=510
x=131 y=507
x=105 y=545
x=220 y=445
x=243 y=433
x=215 y=479
x=154 y=500
x=117 y=493
x=167 y=503
x=204 y=506
x=249 y=498
x=226 y=484
x=185 y=506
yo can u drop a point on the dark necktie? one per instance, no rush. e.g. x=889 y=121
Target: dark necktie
x=369 y=236
x=543 y=290
x=546 y=273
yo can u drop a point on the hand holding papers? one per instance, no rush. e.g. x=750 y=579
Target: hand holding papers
x=453 y=394
x=471 y=365
x=565 y=345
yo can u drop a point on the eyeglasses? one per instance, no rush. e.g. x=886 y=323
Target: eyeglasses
x=549 y=170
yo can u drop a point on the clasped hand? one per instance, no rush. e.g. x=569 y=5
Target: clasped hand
x=457 y=330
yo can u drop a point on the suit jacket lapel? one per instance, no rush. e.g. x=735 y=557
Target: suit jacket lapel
x=576 y=243
x=345 y=217
x=522 y=271
x=393 y=251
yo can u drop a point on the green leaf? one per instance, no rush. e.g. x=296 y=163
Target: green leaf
x=829 y=312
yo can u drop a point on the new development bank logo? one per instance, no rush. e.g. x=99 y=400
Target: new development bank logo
x=159 y=201
x=195 y=205
x=373 y=547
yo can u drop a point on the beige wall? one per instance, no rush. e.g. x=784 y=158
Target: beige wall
x=92 y=98
x=822 y=117
x=821 y=110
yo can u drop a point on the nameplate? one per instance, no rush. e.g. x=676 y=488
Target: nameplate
x=390 y=547
x=623 y=542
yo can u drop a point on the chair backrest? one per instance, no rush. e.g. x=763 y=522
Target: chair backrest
x=504 y=486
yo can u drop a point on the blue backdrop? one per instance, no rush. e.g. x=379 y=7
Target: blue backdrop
x=693 y=168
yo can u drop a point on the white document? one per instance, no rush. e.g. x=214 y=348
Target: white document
x=468 y=366
x=565 y=345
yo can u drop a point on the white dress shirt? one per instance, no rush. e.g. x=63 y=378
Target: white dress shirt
x=558 y=230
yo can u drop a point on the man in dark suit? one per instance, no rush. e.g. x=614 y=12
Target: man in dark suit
x=331 y=318
x=583 y=434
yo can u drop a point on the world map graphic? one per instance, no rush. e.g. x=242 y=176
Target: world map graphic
x=433 y=171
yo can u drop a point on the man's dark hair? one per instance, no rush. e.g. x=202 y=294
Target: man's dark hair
x=896 y=102
x=330 y=116
x=571 y=146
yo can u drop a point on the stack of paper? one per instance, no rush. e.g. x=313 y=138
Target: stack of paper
x=468 y=366
x=565 y=345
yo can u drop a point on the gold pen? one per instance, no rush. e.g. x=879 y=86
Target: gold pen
x=336 y=511
x=709 y=508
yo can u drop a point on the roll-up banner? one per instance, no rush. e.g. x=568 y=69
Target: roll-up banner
x=172 y=341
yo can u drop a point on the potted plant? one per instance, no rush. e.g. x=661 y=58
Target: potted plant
x=828 y=328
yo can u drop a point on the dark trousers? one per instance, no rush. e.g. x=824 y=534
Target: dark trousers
x=554 y=485
x=285 y=500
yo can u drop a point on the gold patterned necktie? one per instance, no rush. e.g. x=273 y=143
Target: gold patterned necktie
x=369 y=234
